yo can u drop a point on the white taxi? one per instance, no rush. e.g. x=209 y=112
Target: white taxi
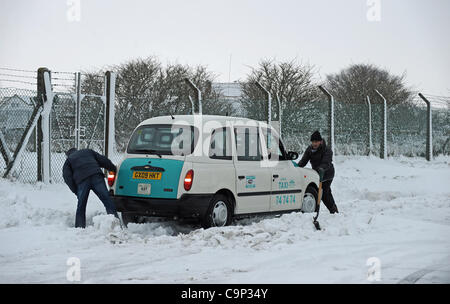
x=213 y=168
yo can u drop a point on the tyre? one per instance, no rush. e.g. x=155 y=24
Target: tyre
x=219 y=213
x=309 y=204
x=128 y=217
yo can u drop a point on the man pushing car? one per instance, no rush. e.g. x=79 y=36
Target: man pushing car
x=321 y=158
x=82 y=173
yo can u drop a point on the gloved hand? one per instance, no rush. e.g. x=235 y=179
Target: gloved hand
x=321 y=172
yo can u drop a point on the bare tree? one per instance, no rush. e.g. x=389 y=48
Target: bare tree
x=174 y=94
x=92 y=82
x=290 y=83
x=135 y=94
x=354 y=83
x=145 y=88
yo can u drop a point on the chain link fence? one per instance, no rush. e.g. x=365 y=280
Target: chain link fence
x=64 y=117
x=62 y=131
x=16 y=108
x=406 y=127
x=63 y=128
x=406 y=124
x=18 y=104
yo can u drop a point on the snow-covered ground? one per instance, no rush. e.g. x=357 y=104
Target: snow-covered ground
x=397 y=211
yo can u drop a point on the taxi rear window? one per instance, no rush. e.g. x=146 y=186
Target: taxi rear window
x=163 y=139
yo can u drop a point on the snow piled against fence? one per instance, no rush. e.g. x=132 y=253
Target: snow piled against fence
x=397 y=210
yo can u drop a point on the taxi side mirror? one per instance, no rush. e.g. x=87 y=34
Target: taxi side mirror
x=292 y=155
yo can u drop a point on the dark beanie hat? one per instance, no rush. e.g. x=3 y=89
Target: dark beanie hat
x=316 y=136
x=70 y=151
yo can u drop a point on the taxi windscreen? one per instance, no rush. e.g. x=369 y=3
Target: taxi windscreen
x=163 y=139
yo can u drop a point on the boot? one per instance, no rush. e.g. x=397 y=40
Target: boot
x=334 y=209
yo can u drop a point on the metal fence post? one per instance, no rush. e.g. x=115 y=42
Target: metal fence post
x=78 y=111
x=39 y=135
x=40 y=98
x=370 y=126
x=429 y=148
x=280 y=113
x=383 y=147
x=46 y=129
x=269 y=102
x=3 y=149
x=198 y=97
x=331 y=116
x=110 y=101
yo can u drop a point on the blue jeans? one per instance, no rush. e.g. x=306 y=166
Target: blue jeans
x=97 y=184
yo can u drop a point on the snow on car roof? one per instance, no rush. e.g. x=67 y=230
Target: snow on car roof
x=191 y=119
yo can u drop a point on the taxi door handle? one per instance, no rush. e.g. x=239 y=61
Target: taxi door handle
x=275 y=176
x=241 y=176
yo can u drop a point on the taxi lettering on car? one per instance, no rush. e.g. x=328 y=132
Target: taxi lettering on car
x=213 y=168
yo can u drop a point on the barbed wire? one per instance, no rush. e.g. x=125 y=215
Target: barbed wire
x=439 y=96
x=67 y=87
x=59 y=78
x=439 y=104
x=17 y=70
x=18 y=76
x=440 y=101
x=421 y=101
x=93 y=75
x=53 y=72
x=19 y=81
x=66 y=73
x=437 y=99
x=62 y=85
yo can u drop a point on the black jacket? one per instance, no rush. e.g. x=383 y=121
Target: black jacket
x=321 y=158
x=81 y=164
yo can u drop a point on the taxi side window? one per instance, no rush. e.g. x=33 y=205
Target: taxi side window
x=275 y=148
x=248 y=146
x=220 y=147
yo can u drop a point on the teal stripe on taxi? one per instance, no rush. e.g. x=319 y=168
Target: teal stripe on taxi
x=165 y=187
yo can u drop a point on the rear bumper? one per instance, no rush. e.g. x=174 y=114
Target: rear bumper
x=187 y=206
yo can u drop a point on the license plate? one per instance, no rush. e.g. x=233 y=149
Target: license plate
x=146 y=175
x=144 y=189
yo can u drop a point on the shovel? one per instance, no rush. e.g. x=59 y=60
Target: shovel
x=319 y=198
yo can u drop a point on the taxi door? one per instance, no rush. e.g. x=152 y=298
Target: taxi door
x=286 y=187
x=253 y=181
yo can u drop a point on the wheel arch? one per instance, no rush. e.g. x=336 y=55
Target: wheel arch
x=313 y=185
x=230 y=196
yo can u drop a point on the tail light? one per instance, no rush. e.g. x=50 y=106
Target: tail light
x=188 y=179
x=111 y=178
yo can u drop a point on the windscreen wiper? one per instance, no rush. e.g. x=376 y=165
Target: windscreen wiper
x=150 y=151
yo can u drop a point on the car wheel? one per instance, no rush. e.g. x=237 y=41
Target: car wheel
x=219 y=213
x=309 y=204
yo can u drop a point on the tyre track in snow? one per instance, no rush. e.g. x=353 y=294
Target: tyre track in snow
x=415 y=276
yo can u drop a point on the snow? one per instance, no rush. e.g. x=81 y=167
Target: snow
x=396 y=210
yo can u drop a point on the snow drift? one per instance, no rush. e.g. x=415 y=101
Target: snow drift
x=396 y=210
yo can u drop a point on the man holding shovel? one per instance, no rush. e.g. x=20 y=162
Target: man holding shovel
x=82 y=173
x=321 y=158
